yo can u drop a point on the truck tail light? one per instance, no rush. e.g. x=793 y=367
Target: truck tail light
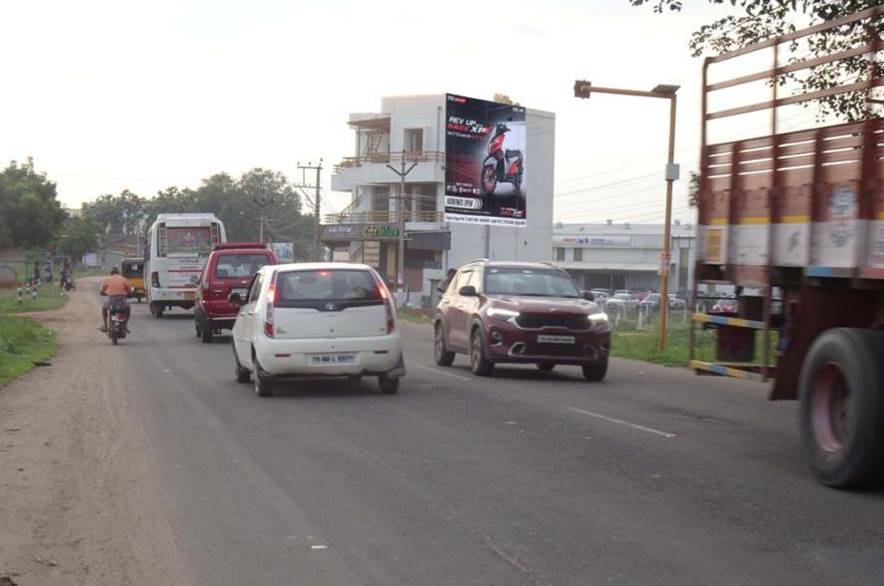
x=271 y=301
x=155 y=279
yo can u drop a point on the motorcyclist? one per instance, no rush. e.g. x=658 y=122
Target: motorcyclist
x=115 y=286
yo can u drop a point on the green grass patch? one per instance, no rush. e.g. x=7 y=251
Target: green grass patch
x=642 y=344
x=49 y=296
x=22 y=342
x=415 y=315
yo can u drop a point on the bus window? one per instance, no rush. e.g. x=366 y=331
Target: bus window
x=189 y=240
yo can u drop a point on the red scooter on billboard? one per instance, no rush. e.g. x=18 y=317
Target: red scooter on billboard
x=501 y=165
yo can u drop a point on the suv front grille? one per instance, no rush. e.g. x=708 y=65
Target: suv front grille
x=536 y=321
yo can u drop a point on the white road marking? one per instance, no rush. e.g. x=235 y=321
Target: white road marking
x=621 y=422
x=318 y=547
x=442 y=372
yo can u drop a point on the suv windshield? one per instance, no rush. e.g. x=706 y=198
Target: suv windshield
x=239 y=266
x=551 y=283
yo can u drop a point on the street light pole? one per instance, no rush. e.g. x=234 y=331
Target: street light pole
x=671 y=176
x=583 y=89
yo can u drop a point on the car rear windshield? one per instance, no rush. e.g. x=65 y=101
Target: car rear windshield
x=316 y=288
x=540 y=283
x=239 y=266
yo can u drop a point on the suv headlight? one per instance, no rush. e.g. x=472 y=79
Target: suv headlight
x=502 y=313
x=598 y=318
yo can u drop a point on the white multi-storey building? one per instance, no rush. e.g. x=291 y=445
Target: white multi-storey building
x=624 y=256
x=367 y=230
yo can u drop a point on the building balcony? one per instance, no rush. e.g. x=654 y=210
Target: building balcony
x=414 y=220
x=371 y=168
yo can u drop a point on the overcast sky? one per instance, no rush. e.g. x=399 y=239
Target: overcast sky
x=113 y=95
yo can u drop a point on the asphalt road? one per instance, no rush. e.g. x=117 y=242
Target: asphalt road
x=652 y=477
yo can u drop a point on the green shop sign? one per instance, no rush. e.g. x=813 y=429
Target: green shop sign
x=380 y=231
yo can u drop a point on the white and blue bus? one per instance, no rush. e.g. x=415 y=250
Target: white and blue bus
x=175 y=253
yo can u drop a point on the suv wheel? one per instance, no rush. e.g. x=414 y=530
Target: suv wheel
x=206 y=332
x=479 y=365
x=443 y=356
x=596 y=371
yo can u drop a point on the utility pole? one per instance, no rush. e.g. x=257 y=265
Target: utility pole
x=584 y=89
x=317 y=234
x=400 y=212
x=263 y=202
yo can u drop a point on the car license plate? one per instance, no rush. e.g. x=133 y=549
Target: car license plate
x=546 y=339
x=332 y=359
x=241 y=291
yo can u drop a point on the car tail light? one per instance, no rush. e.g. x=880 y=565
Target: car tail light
x=388 y=305
x=155 y=279
x=271 y=301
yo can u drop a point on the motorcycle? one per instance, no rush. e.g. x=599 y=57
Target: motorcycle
x=117 y=318
x=501 y=165
x=68 y=282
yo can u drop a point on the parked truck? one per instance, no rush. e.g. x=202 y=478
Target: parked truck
x=797 y=217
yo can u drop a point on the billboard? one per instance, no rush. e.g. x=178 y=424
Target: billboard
x=484 y=162
x=284 y=251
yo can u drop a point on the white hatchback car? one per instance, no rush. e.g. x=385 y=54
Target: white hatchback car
x=314 y=320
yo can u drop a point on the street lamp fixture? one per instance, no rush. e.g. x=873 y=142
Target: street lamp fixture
x=583 y=89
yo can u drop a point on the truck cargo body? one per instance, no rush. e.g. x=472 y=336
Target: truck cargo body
x=800 y=216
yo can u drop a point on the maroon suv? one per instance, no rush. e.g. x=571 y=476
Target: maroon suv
x=229 y=269
x=499 y=312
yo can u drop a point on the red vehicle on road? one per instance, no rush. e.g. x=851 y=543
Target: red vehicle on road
x=509 y=312
x=799 y=216
x=230 y=269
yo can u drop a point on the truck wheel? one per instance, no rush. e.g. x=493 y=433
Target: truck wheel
x=156 y=309
x=842 y=406
x=441 y=353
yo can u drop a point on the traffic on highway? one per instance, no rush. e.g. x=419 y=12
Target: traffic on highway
x=590 y=293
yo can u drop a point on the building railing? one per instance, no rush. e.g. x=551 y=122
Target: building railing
x=381 y=217
x=389 y=157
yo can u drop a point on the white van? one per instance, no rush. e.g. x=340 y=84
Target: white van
x=175 y=254
x=316 y=319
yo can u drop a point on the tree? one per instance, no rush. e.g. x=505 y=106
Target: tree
x=504 y=99
x=79 y=236
x=234 y=200
x=694 y=189
x=30 y=213
x=764 y=19
x=117 y=214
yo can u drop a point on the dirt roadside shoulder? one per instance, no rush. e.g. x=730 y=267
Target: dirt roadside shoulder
x=78 y=502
